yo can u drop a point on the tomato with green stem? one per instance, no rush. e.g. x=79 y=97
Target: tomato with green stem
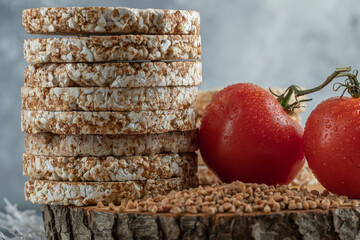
x=246 y=135
x=332 y=140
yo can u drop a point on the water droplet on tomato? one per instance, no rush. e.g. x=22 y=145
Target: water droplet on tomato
x=356 y=113
x=324 y=164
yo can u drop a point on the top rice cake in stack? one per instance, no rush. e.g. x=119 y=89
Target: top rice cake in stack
x=108 y=118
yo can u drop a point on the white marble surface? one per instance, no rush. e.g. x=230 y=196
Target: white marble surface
x=270 y=43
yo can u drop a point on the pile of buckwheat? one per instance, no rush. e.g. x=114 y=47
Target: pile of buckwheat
x=236 y=197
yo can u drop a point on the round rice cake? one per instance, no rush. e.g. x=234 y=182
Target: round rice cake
x=90 y=193
x=110 y=145
x=109 y=169
x=112 y=48
x=77 y=123
x=109 y=20
x=114 y=75
x=107 y=99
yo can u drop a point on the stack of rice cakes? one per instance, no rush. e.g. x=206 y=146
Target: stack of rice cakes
x=109 y=117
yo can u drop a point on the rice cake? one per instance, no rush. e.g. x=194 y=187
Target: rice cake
x=90 y=193
x=109 y=169
x=109 y=20
x=141 y=122
x=112 y=48
x=114 y=74
x=107 y=99
x=110 y=145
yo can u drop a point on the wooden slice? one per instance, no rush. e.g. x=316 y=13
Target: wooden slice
x=95 y=223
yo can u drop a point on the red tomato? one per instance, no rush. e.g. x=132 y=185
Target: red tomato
x=331 y=145
x=246 y=135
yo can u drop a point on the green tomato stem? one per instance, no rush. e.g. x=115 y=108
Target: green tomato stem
x=335 y=74
x=285 y=101
x=351 y=85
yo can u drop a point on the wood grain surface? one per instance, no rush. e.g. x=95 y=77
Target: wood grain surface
x=101 y=223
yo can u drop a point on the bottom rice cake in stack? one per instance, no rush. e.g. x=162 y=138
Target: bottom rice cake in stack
x=87 y=143
x=206 y=177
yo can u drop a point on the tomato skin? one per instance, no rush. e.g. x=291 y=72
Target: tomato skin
x=331 y=145
x=246 y=135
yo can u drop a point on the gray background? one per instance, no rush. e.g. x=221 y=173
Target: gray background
x=270 y=43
